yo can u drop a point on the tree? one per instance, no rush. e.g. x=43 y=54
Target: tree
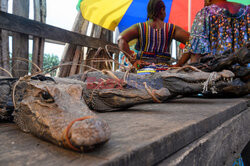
x=49 y=61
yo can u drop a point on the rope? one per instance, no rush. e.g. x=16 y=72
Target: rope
x=125 y=77
x=209 y=82
x=69 y=127
x=117 y=82
x=6 y=72
x=111 y=74
x=151 y=93
x=13 y=92
x=187 y=67
x=131 y=59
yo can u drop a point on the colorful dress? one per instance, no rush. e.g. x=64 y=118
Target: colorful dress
x=154 y=46
x=216 y=30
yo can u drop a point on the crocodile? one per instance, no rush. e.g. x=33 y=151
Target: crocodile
x=235 y=61
x=117 y=90
x=53 y=110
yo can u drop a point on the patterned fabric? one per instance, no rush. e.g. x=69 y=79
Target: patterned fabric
x=238 y=162
x=153 y=44
x=124 y=60
x=215 y=30
x=152 y=69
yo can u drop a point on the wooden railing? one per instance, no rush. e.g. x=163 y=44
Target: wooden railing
x=31 y=28
x=19 y=24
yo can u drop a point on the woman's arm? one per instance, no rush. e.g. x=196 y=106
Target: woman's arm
x=184 y=58
x=125 y=37
x=123 y=40
x=181 y=35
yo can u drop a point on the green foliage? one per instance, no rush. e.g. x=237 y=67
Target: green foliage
x=49 y=61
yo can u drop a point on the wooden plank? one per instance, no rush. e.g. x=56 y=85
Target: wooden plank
x=20 y=41
x=221 y=146
x=142 y=135
x=116 y=61
x=101 y=33
x=43 y=10
x=9 y=33
x=27 y=26
x=80 y=61
x=38 y=43
x=35 y=54
x=80 y=26
x=76 y=60
x=65 y=69
x=4 y=43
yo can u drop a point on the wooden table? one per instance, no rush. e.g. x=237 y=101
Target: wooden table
x=183 y=131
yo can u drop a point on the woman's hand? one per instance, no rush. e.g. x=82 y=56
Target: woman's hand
x=176 y=65
x=138 y=64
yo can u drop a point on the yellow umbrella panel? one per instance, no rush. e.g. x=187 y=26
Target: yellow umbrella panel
x=106 y=13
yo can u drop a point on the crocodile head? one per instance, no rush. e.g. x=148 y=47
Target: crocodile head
x=47 y=108
x=190 y=80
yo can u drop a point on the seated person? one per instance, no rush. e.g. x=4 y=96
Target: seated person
x=218 y=27
x=154 y=37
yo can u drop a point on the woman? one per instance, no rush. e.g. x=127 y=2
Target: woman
x=218 y=27
x=154 y=37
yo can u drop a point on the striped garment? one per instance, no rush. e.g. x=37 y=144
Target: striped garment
x=153 y=44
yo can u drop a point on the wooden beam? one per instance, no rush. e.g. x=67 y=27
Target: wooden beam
x=9 y=33
x=20 y=43
x=26 y=26
x=4 y=43
x=38 y=42
x=76 y=60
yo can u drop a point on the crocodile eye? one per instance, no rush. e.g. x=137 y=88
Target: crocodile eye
x=47 y=97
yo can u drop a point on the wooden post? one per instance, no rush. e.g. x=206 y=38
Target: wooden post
x=117 y=60
x=4 y=43
x=20 y=41
x=96 y=33
x=108 y=36
x=71 y=50
x=38 y=43
x=76 y=61
x=102 y=34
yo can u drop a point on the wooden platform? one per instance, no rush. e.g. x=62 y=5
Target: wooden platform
x=176 y=132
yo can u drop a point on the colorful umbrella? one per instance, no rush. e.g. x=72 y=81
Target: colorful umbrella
x=123 y=13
